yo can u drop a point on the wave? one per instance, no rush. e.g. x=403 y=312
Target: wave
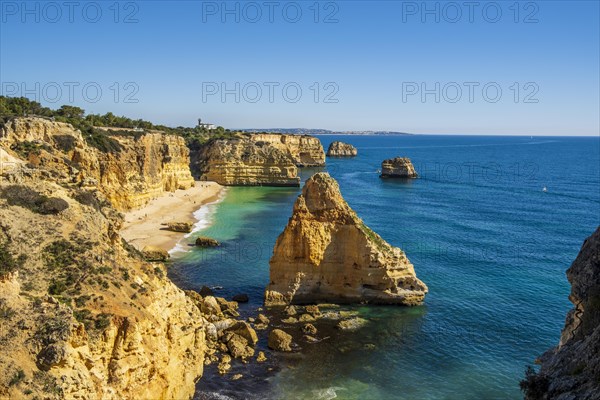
x=327 y=393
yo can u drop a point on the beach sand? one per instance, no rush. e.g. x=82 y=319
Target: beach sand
x=144 y=227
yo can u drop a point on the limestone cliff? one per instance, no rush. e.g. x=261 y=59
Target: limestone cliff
x=305 y=150
x=143 y=167
x=571 y=370
x=341 y=149
x=244 y=162
x=82 y=315
x=327 y=254
x=399 y=167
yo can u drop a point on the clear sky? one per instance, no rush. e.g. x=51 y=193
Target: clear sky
x=422 y=67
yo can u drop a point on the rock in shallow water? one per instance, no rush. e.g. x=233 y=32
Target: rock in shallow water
x=399 y=167
x=204 y=241
x=279 y=340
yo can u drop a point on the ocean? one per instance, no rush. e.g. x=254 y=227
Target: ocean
x=491 y=244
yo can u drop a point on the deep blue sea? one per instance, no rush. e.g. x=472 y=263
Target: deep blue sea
x=490 y=243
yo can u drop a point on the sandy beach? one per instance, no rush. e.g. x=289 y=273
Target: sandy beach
x=143 y=227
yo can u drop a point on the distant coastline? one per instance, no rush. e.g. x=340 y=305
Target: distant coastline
x=306 y=131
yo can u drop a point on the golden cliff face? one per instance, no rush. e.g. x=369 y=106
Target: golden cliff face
x=306 y=151
x=143 y=168
x=243 y=162
x=84 y=317
x=327 y=254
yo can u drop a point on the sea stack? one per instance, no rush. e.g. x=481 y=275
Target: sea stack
x=341 y=149
x=327 y=254
x=399 y=167
x=571 y=370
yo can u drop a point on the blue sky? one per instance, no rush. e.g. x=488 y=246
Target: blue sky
x=371 y=62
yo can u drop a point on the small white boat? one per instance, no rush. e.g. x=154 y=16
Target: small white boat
x=544 y=189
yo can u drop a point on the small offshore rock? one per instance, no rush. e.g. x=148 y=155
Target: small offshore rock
x=341 y=149
x=263 y=319
x=351 y=324
x=290 y=320
x=244 y=330
x=204 y=241
x=306 y=318
x=313 y=310
x=261 y=357
x=206 y=291
x=241 y=298
x=236 y=377
x=309 y=329
x=279 y=340
x=399 y=167
x=291 y=310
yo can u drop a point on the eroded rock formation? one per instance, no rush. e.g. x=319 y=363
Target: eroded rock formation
x=327 y=254
x=571 y=370
x=341 y=149
x=399 y=167
x=244 y=162
x=305 y=150
x=143 y=167
x=84 y=316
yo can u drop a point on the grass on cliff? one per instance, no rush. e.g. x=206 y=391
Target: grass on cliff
x=8 y=263
x=375 y=238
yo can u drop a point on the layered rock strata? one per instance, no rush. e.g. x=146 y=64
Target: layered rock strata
x=142 y=168
x=327 y=254
x=399 y=167
x=341 y=149
x=305 y=150
x=244 y=162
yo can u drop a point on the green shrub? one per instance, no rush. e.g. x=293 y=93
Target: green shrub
x=87 y=198
x=65 y=143
x=8 y=263
x=57 y=287
x=5 y=311
x=25 y=148
x=60 y=254
x=17 y=377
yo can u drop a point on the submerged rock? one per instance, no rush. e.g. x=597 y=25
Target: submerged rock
x=571 y=370
x=241 y=298
x=351 y=324
x=341 y=149
x=327 y=254
x=279 y=340
x=399 y=167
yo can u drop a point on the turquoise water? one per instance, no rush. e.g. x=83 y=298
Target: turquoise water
x=491 y=245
